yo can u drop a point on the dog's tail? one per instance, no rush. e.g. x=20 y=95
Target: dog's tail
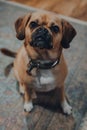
x=8 y=52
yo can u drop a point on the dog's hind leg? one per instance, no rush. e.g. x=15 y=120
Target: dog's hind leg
x=8 y=69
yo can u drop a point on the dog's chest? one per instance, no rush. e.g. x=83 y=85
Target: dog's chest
x=45 y=80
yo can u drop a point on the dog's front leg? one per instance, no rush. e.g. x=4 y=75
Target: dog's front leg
x=28 y=105
x=67 y=109
x=21 y=88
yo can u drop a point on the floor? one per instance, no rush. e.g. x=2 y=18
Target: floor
x=46 y=115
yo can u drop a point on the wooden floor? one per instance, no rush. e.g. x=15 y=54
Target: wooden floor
x=73 y=8
x=46 y=115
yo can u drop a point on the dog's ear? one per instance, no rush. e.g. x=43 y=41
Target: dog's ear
x=68 y=34
x=20 y=25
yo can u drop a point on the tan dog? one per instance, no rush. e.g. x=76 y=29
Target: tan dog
x=39 y=64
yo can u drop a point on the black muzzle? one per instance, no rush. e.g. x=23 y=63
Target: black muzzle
x=41 y=38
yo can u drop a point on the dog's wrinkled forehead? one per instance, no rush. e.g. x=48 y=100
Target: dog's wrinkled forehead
x=44 y=18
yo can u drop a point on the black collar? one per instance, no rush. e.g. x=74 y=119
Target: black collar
x=39 y=64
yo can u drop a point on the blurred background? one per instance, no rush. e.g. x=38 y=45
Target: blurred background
x=73 y=8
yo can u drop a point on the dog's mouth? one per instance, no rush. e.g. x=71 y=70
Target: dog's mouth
x=41 y=38
x=41 y=43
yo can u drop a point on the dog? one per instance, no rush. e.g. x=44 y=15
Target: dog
x=39 y=64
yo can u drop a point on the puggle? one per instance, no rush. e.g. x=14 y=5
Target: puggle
x=39 y=64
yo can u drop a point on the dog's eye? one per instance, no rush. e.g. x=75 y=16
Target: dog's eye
x=54 y=28
x=33 y=24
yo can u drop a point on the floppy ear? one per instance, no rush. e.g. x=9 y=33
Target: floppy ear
x=68 y=34
x=20 y=25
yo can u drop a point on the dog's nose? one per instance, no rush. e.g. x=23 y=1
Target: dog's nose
x=43 y=33
x=42 y=30
x=41 y=38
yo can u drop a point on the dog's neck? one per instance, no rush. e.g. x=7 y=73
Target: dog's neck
x=41 y=62
x=43 y=54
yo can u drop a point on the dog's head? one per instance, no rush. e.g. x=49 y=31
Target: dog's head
x=44 y=30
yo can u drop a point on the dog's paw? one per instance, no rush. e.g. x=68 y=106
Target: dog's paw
x=67 y=109
x=28 y=106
